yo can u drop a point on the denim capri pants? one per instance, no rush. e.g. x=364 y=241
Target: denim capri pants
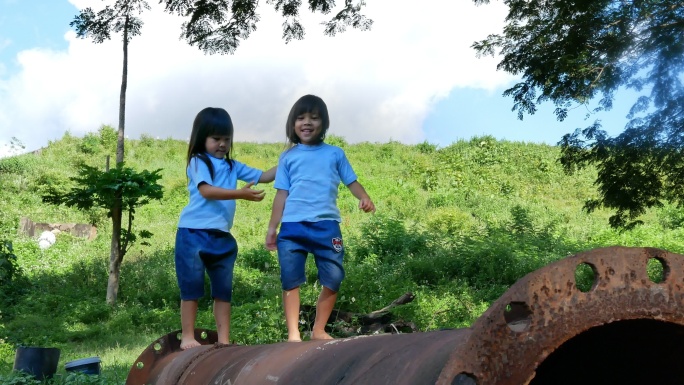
x=198 y=250
x=322 y=239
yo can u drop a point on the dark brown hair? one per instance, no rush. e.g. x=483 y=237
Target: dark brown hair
x=210 y=121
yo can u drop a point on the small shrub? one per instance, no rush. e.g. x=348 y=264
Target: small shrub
x=426 y=148
x=18 y=165
x=50 y=181
x=90 y=144
x=19 y=378
x=260 y=322
x=91 y=310
x=108 y=137
x=12 y=281
x=8 y=263
x=70 y=378
x=389 y=239
x=146 y=140
x=441 y=200
x=259 y=258
x=335 y=140
x=671 y=217
x=449 y=222
x=442 y=307
x=521 y=220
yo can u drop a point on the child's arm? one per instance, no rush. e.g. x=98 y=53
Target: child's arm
x=268 y=176
x=217 y=193
x=365 y=203
x=276 y=216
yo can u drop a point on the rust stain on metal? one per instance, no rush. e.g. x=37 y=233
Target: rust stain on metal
x=378 y=359
x=543 y=330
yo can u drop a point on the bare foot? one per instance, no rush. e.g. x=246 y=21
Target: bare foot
x=294 y=337
x=189 y=343
x=320 y=335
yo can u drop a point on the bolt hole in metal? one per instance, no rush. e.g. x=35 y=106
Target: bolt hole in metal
x=585 y=277
x=657 y=270
x=157 y=347
x=518 y=316
x=639 y=351
x=464 y=379
x=139 y=365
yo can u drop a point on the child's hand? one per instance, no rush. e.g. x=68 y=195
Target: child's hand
x=366 y=204
x=248 y=193
x=271 y=236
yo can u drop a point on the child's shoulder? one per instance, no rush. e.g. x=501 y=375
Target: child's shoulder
x=334 y=150
x=331 y=148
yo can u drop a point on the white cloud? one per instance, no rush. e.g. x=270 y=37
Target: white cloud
x=378 y=84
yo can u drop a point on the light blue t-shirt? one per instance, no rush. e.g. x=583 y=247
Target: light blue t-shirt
x=312 y=175
x=202 y=213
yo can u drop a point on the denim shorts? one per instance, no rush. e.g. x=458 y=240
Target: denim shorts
x=322 y=239
x=199 y=250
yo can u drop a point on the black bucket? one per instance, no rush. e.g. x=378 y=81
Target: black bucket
x=39 y=362
x=90 y=365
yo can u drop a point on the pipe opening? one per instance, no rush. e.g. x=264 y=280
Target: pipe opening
x=639 y=351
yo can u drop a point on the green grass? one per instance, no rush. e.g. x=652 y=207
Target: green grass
x=456 y=226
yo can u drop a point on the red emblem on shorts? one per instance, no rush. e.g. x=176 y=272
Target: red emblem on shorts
x=337 y=244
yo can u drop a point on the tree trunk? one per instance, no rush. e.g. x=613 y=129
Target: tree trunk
x=122 y=97
x=116 y=252
x=115 y=255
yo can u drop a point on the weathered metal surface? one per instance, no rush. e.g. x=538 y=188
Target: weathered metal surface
x=551 y=311
x=410 y=359
x=160 y=354
x=544 y=330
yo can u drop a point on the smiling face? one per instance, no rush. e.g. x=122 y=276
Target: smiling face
x=308 y=121
x=308 y=128
x=217 y=145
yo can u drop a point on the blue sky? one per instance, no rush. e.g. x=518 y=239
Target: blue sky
x=32 y=23
x=412 y=78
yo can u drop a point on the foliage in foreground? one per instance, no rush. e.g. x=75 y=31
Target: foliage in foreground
x=456 y=226
x=119 y=192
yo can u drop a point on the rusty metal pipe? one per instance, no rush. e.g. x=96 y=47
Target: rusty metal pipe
x=379 y=359
x=624 y=328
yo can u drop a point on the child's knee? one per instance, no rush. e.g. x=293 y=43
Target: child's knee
x=331 y=278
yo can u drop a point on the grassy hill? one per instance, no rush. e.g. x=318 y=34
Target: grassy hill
x=456 y=226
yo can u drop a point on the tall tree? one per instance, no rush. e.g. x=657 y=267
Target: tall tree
x=571 y=53
x=121 y=17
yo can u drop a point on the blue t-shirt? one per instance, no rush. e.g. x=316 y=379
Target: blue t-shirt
x=312 y=175
x=202 y=213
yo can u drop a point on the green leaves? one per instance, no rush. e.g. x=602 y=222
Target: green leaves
x=12 y=280
x=117 y=18
x=8 y=263
x=97 y=188
x=105 y=189
x=572 y=52
x=219 y=26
